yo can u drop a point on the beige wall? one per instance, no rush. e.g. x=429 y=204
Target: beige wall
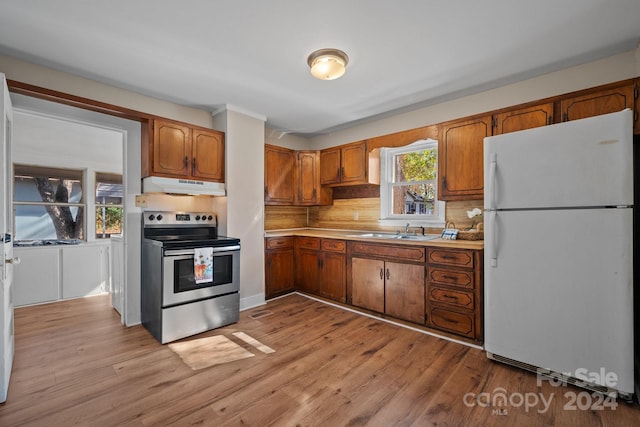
x=614 y=68
x=36 y=75
x=244 y=146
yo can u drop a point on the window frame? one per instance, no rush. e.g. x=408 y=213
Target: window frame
x=387 y=218
x=48 y=170
x=105 y=177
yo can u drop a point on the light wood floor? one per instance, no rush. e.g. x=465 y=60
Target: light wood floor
x=76 y=365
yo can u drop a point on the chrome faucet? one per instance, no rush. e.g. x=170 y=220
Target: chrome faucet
x=406 y=230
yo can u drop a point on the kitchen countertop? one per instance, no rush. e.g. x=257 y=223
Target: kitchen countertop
x=349 y=235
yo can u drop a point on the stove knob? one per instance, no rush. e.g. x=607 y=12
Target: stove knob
x=151 y=217
x=204 y=217
x=210 y=218
x=197 y=217
x=159 y=217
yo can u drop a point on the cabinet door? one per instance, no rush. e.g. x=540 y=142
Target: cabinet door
x=171 y=149
x=594 y=104
x=524 y=118
x=353 y=163
x=208 y=155
x=367 y=284
x=279 y=275
x=279 y=176
x=330 y=166
x=404 y=291
x=460 y=152
x=333 y=276
x=308 y=179
x=307 y=270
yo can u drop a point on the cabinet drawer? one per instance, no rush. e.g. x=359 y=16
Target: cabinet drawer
x=388 y=251
x=460 y=323
x=308 y=242
x=334 y=245
x=460 y=299
x=458 y=258
x=452 y=277
x=279 y=242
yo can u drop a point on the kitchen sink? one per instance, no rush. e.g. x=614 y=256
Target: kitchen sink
x=415 y=237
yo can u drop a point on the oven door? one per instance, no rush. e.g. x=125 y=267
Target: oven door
x=178 y=279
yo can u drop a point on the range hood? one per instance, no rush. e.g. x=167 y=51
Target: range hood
x=157 y=184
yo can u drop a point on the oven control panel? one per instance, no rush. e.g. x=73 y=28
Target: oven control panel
x=151 y=218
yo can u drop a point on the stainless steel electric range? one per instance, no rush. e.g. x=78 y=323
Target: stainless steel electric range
x=190 y=275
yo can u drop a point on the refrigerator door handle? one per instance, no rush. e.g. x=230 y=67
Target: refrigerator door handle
x=493 y=164
x=492 y=243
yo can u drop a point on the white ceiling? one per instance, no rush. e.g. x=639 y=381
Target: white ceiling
x=252 y=55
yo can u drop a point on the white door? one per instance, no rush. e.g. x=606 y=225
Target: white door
x=6 y=278
x=558 y=290
x=586 y=162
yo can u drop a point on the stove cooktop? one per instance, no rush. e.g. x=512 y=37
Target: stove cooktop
x=193 y=242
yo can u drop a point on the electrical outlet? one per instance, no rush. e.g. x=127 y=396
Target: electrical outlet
x=356 y=215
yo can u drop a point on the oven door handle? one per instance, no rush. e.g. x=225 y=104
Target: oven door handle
x=178 y=252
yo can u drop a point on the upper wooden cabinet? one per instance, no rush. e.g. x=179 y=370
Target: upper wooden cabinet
x=181 y=151
x=523 y=118
x=460 y=158
x=293 y=178
x=344 y=165
x=279 y=175
x=308 y=178
x=601 y=102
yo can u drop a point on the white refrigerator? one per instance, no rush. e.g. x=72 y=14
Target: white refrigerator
x=558 y=277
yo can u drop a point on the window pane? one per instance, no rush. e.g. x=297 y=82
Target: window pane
x=109 y=189
x=36 y=184
x=48 y=223
x=108 y=221
x=416 y=199
x=416 y=166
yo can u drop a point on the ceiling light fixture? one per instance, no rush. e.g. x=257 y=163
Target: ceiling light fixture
x=328 y=64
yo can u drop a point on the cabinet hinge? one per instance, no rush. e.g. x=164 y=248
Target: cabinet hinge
x=635 y=91
x=444 y=182
x=550 y=120
x=565 y=117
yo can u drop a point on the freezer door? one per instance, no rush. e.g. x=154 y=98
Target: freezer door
x=586 y=162
x=558 y=291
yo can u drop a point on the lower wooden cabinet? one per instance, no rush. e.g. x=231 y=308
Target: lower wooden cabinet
x=454 y=291
x=390 y=280
x=437 y=287
x=279 y=266
x=404 y=291
x=321 y=266
x=367 y=283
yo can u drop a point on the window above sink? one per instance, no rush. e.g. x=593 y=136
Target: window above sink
x=409 y=185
